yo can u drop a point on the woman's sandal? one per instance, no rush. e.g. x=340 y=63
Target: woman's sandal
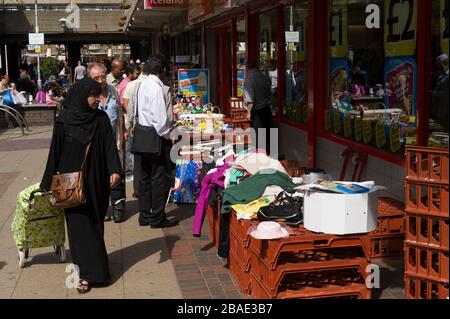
x=84 y=287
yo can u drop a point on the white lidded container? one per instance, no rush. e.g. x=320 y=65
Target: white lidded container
x=341 y=214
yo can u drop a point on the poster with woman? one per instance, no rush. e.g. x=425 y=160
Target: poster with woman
x=400 y=75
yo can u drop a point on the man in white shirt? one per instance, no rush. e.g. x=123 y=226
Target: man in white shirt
x=151 y=106
x=79 y=72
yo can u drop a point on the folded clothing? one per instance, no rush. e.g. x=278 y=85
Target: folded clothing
x=253 y=187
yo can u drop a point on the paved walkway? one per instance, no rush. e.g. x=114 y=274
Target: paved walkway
x=145 y=263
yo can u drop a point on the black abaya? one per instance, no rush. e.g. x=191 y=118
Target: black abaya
x=85 y=223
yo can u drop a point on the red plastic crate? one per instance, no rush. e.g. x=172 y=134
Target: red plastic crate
x=310 y=262
x=427 y=199
x=214 y=221
x=419 y=288
x=426 y=263
x=427 y=164
x=390 y=207
x=240 y=228
x=240 y=275
x=243 y=253
x=390 y=225
x=427 y=231
x=385 y=246
x=350 y=290
x=302 y=239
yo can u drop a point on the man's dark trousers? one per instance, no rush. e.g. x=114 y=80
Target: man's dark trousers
x=262 y=119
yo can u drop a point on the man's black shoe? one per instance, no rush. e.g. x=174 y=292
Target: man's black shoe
x=119 y=212
x=108 y=216
x=166 y=223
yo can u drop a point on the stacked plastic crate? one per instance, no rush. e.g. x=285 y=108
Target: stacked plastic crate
x=388 y=239
x=310 y=265
x=427 y=221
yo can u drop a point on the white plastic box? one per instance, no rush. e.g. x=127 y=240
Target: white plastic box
x=341 y=214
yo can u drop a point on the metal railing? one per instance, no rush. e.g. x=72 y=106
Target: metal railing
x=16 y=116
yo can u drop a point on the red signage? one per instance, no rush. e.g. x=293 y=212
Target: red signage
x=152 y=4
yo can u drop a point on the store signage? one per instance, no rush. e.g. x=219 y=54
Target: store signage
x=444 y=25
x=36 y=38
x=339 y=29
x=292 y=36
x=394 y=138
x=380 y=134
x=337 y=122
x=367 y=131
x=327 y=120
x=347 y=126
x=400 y=29
x=94 y=47
x=182 y=59
x=166 y=4
x=401 y=81
x=358 y=129
x=198 y=8
x=194 y=82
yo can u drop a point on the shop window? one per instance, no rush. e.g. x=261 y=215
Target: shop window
x=268 y=49
x=438 y=121
x=241 y=50
x=373 y=74
x=296 y=97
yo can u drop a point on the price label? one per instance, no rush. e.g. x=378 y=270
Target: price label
x=380 y=134
x=400 y=30
x=305 y=114
x=395 y=138
x=337 y=122
x=327 y=120
x=347 y=126
x=444 y=25
x=367 y=131
x=338 y=29
x=358 y=129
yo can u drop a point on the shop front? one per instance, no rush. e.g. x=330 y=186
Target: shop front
x=343 y=76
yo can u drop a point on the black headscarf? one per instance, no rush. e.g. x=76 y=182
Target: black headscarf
x=77 y=116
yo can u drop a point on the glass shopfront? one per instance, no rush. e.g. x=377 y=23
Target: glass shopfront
x=241 y=50
x=296 y=97
x=373 y=73
x=438 y=116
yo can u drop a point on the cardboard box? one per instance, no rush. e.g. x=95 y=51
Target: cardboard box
x=341 y=214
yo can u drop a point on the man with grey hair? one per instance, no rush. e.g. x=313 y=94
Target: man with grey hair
x=110 y=103
x=116 y=75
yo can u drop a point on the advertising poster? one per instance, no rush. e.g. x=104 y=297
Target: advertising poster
x=401 y=83
x=240 y=82
x=194 y=82
x=339 y=29
x=400 y=29
x=338 y=75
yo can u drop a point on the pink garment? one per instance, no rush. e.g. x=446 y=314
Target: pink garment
x=208 y=182
x=40 y=97
x=121 y=88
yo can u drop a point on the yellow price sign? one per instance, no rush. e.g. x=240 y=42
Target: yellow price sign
x=327 y=122
x=347 y=126
x=395 y=138
x=380 y=134
x=444 y=25
x=337 y=122
x=37 y=49
x=338 y=29
x=400 y=29
x=358 y=129
x=367 y=131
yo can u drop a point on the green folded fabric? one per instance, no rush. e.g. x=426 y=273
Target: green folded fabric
x=253 y=187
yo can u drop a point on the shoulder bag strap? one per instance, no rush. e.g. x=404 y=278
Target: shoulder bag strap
x=85 y=156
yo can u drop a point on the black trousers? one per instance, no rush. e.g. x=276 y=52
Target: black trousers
x=262 y=119
x=118 y=192
x=136 y=174
x=154 y=186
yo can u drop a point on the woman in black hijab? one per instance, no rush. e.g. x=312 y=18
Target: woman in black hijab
x=81 y=123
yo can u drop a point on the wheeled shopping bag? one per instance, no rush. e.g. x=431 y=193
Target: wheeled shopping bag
x=37 y=224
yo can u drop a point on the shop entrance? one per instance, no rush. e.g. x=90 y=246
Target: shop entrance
x=224 y=67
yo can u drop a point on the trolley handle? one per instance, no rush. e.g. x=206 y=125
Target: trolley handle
x=33 y=194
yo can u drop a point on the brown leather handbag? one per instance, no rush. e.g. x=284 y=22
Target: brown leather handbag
x=68 y=189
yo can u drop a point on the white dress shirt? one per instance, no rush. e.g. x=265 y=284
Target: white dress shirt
x=151 y=104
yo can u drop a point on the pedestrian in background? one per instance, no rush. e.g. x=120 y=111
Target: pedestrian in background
x=116 y=75
x=79 y=72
